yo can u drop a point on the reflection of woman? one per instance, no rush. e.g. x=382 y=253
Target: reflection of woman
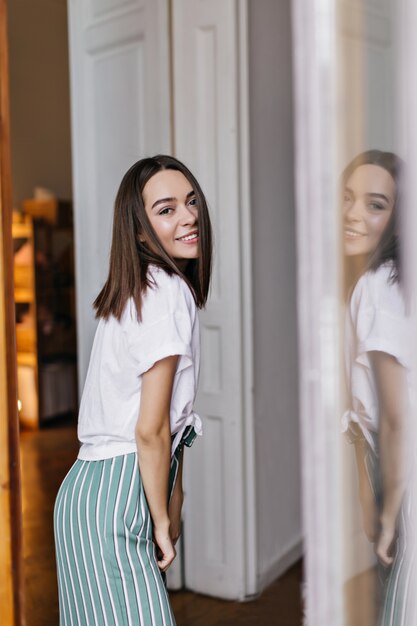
x=378 y=364
x=118 y=511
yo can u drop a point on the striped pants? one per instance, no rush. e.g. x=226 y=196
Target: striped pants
x=398 y=595
x=106 y=559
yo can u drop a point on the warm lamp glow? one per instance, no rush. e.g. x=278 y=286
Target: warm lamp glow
x=19 y=405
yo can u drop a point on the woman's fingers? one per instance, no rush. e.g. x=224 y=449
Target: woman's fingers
x=384 y=547
x=165 y=551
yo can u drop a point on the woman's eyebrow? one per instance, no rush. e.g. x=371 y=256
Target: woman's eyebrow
x=381 y=196
x=162 y=200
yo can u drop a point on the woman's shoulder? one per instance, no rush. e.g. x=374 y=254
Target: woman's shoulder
x=167 y=295
x=376 y=289
x=163 y=283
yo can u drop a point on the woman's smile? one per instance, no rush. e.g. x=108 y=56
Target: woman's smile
x=190 y=238
x=350 y=233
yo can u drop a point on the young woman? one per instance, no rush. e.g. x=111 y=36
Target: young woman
x=118 y=512
x=378 y=362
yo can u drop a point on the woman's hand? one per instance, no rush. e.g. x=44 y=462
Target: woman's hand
x=394 y=447
x=165 y=550
x=385 y=545
x=174 y=512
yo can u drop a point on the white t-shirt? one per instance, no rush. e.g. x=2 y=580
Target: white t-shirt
x=123 y=351
x=376 y=319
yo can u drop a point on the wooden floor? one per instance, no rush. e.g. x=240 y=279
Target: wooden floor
x=46 y=457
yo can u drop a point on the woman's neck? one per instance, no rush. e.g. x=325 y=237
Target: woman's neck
x=355 y=266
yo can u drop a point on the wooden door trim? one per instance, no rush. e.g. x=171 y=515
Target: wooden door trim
x=10 y=486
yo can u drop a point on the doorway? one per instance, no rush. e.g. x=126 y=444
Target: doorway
x=112 y=130
x=44 y=281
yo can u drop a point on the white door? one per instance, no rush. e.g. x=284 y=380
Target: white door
x=120 y=108
x=121 y=111
x=209 y=101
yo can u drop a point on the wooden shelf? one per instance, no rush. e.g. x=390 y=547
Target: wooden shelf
x=28 y=359
x=22 y=295
x=23 y=276
x=26 y=334
x=25 y=338
x=23 y=230
x=45 y=313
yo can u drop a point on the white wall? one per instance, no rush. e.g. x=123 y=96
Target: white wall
x=39 y=94
x=368 y=81
x=274 y=284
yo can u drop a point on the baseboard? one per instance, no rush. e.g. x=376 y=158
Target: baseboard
x=280 y=565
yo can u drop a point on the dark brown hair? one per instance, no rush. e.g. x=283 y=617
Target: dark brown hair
x=130 y=258
x=388 y=248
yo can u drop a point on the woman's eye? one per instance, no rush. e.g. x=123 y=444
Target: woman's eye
x=166 y=210
x=376 y=206
x=193 y=202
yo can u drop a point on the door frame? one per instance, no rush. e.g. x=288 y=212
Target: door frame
x=11 y=570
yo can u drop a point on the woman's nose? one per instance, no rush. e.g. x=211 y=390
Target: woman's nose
x=353 y=211
x=188 y=215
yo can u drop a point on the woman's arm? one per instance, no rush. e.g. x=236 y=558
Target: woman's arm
x=153 y=440
x=390 y=378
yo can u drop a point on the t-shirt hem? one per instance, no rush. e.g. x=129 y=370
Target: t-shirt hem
x=99 y=453
x=194 y=421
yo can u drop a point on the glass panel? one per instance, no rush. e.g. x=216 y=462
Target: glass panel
x=356 y=150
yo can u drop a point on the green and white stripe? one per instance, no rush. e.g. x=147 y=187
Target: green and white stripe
x=106 y=561
x=398 y=601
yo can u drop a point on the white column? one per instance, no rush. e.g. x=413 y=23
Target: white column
x=317 y=170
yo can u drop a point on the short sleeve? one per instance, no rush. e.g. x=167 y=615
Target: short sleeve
x=384 y=332
x=382 y=324
x=166 y=325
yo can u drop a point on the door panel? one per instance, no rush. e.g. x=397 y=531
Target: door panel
x=206 y=105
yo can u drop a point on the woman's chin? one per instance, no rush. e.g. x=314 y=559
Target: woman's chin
x=352 y=249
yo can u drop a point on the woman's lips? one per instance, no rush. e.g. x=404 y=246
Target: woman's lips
x=190 y=238
x=350 y=233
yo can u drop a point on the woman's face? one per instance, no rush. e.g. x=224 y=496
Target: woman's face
x=368 y=202
x=171 y=206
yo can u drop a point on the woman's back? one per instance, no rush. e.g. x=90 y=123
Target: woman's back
x=123 y=350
